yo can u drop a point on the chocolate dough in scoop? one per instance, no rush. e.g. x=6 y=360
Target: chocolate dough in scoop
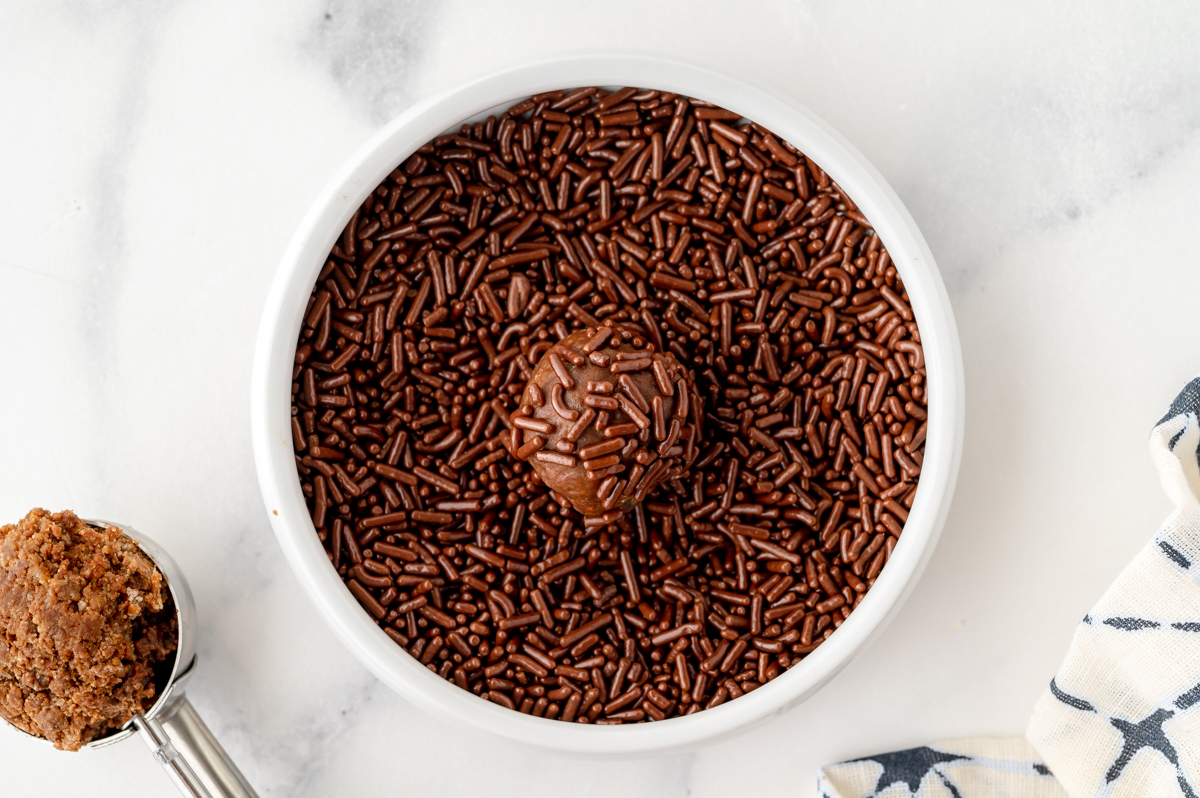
x=605 y=419
x=86 y=621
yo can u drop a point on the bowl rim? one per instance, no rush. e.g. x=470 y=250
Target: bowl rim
x=324 y=222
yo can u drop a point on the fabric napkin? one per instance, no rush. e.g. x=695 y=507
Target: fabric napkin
x=1121 y=718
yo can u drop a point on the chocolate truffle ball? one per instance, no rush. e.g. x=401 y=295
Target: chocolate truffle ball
x=605 y=419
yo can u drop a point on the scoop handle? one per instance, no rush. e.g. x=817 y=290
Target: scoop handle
x=182 y=743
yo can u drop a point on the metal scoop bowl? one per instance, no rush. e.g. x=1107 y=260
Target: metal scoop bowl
x=176 y=735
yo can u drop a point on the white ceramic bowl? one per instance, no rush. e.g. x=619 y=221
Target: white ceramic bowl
x=270 y=403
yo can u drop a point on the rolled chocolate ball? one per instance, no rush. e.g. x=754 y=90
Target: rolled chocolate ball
x=605 y=419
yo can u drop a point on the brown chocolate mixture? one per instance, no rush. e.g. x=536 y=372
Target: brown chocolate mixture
x=694 y=233
x=86 y=621
x=604 y=420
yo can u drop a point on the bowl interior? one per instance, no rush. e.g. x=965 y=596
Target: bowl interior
x=474 y=101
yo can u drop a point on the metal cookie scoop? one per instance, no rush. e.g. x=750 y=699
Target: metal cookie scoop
x=176 y=735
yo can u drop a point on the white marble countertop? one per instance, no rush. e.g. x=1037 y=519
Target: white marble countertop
x=155 y=158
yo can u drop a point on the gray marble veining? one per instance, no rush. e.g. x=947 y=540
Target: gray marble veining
x=371 y=49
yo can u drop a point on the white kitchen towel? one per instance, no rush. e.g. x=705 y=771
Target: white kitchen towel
x=980 y=767
x=1121 y=718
